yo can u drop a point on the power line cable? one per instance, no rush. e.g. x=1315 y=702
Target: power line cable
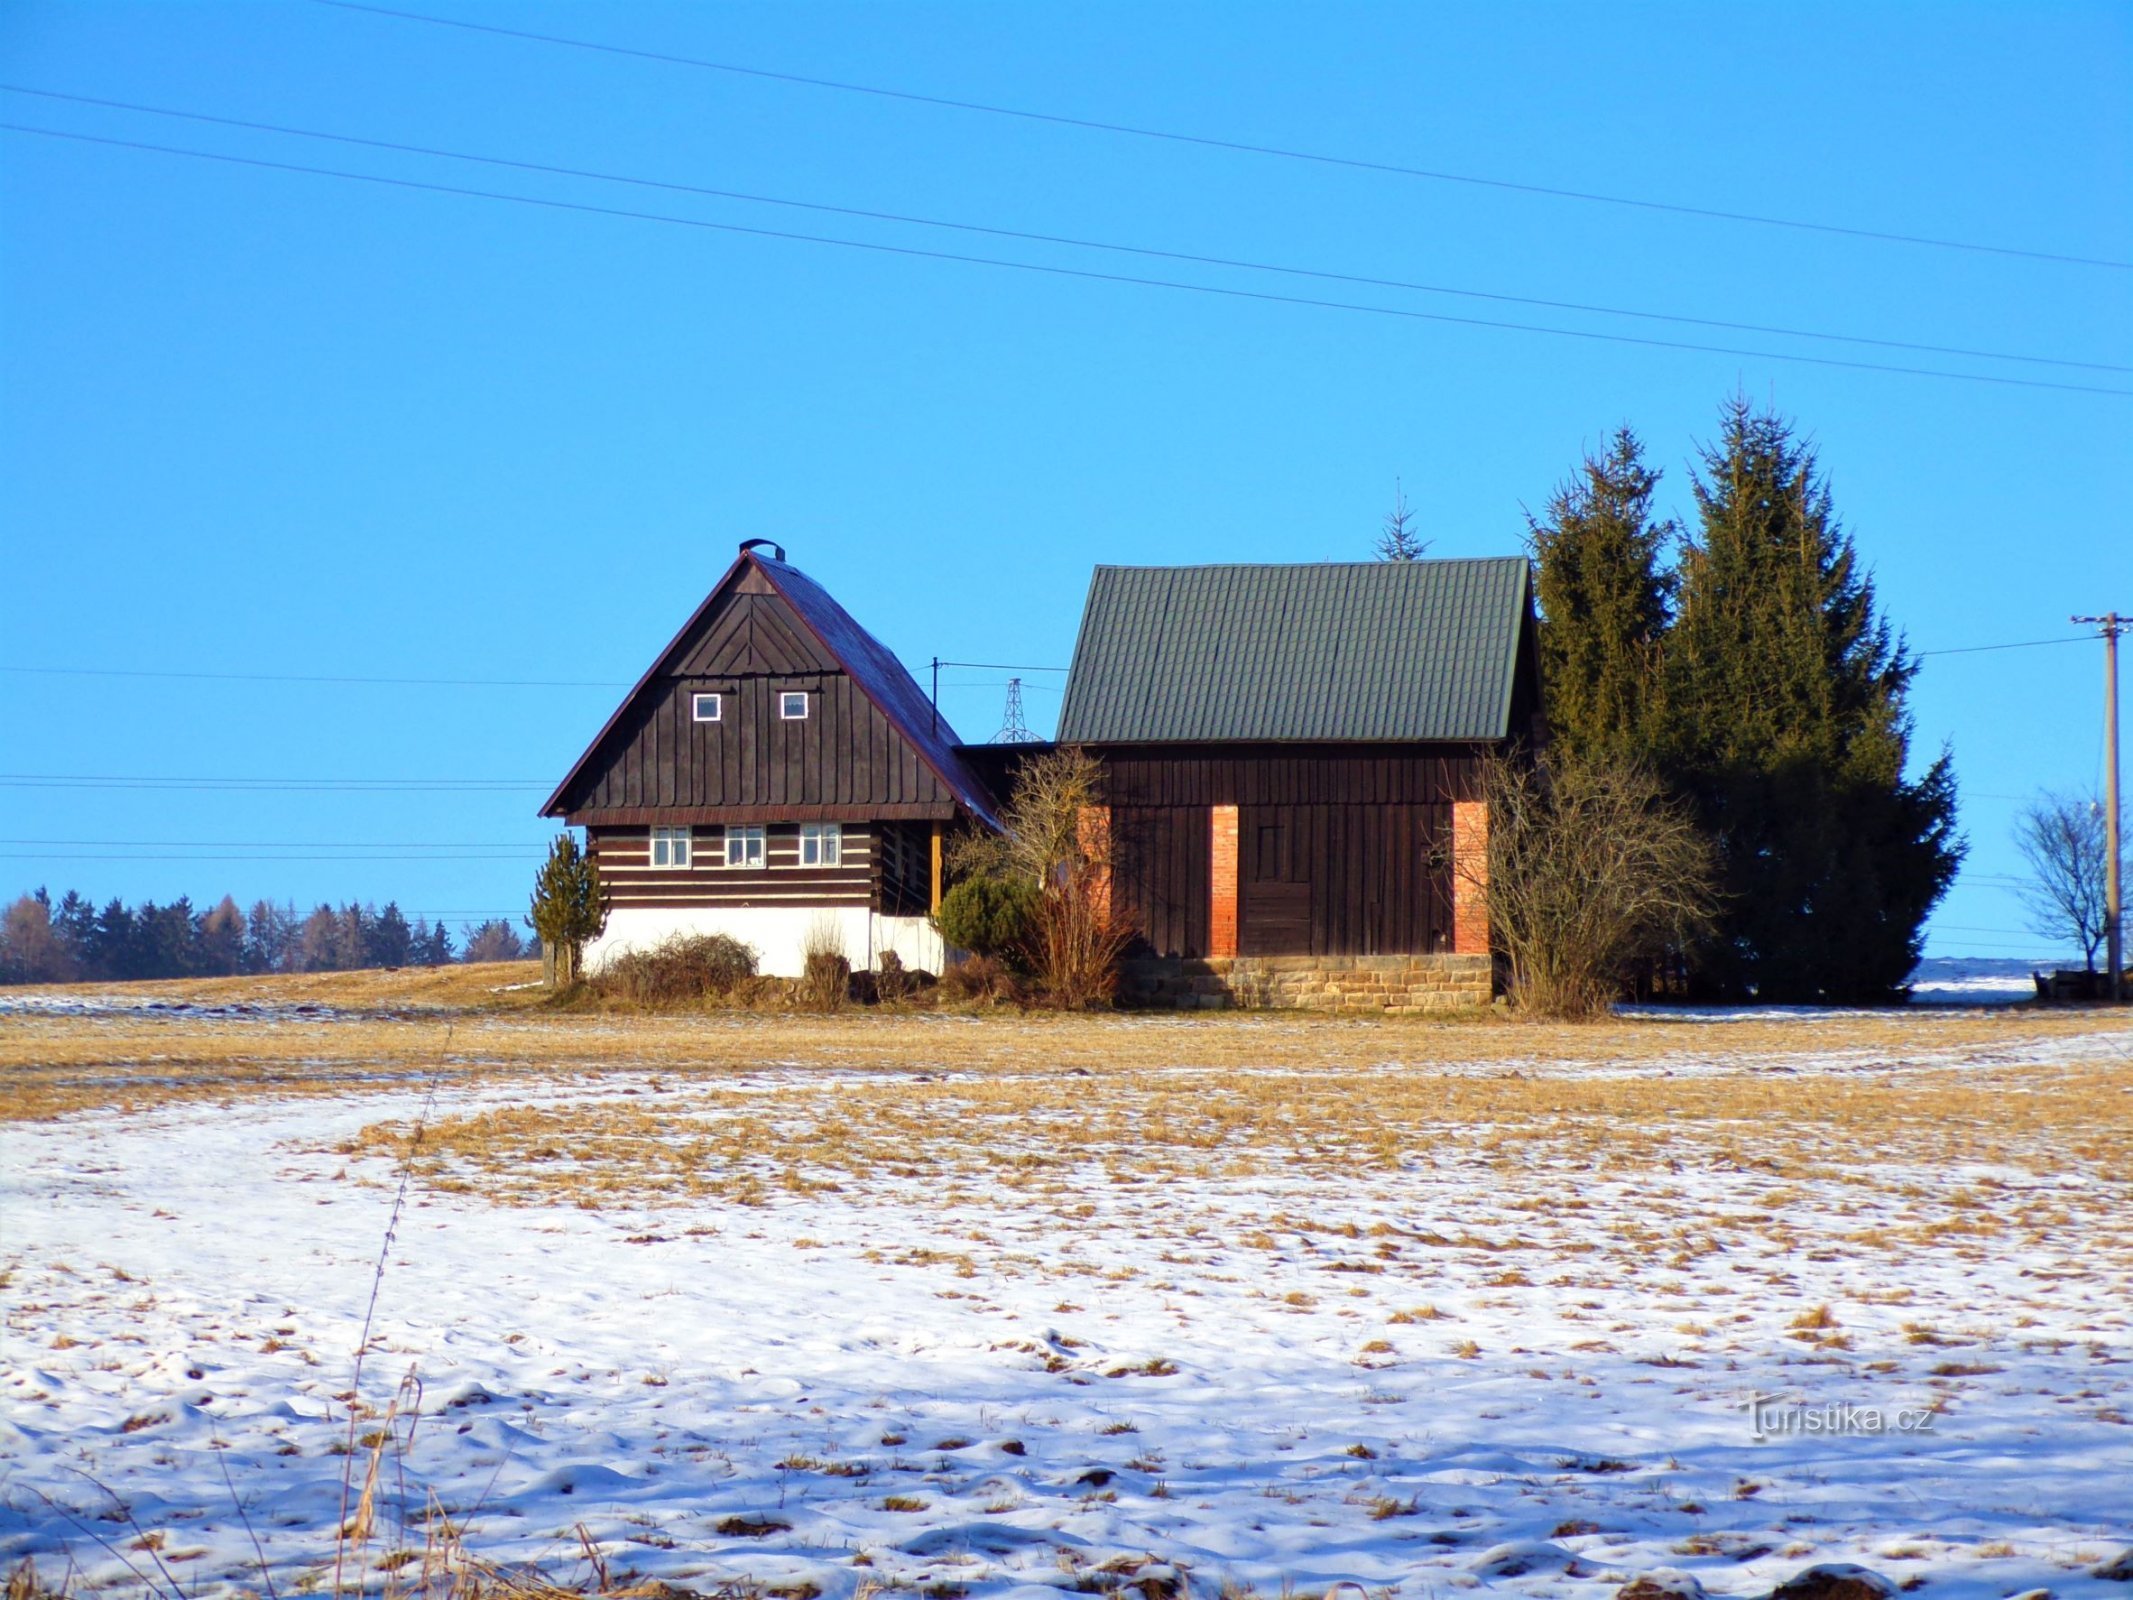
x=2023 y=644
x=1189 y=257
x=278 y=844
x=1234 y=146
x=538 y=683
x=1000 y=666
x=259 y=860
x=38 y=780
x=1085 y=274
x=292 y=677
x=306 y=677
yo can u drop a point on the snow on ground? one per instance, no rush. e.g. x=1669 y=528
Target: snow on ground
x=1977 y=980
x=1448 y=1373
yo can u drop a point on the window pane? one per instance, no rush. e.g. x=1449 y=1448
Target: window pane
x=681 y=847
x=832 y=843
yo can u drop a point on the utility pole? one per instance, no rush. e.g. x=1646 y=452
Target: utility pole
x=2111 y=625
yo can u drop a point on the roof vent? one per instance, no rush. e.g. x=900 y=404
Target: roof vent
x=777 y=551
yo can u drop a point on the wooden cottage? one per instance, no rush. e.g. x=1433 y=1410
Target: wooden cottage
x=776 y=775
x=1291 y=758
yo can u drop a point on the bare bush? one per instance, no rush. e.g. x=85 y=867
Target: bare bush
x=1077 y=943
x=825 y=970
x=2063 y=838
x=1590 y=867
x=984 y=980
x=893 y=981
x=680 y=970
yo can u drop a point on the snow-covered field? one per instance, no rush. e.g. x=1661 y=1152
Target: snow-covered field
x=1424 y=1325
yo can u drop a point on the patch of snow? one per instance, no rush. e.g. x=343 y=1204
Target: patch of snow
x=972 y=1389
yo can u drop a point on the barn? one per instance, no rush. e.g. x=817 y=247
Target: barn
x=775 y=775
x=1292 y=757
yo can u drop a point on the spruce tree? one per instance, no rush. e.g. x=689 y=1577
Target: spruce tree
x=389 y=938
x=74 y=922
x=1606 y=599
x=1397 y=539
x=569 y=905
x=1787 y=726
x=115 y=946
x=220 y=931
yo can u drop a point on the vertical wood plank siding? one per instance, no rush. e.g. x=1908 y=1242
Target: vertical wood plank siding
x=1340 y=851
x=1288 y=774
x=1160 y=878
x=843 y=753
x=1344 y=880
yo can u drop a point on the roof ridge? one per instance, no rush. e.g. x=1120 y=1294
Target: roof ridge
x=1306 y=566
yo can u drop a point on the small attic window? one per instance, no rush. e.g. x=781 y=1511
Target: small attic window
x=706 y=707
x=792 y=705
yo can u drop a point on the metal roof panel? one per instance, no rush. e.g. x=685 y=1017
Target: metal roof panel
x=1417 y=650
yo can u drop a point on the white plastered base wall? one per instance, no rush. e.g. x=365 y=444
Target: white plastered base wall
x=779 y=934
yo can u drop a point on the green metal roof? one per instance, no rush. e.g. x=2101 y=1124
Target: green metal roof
x=1379 y=650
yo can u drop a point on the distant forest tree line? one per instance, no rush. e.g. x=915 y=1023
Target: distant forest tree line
x=73 y=941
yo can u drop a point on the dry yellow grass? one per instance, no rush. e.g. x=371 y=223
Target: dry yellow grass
x=616 y=1108
x=1342 y=1084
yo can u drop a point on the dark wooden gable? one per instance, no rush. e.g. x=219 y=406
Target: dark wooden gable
x=851 y=758
x=753 y=634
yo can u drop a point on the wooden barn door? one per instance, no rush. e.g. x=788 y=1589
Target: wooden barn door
x=1343 y=880
x=1274 y=881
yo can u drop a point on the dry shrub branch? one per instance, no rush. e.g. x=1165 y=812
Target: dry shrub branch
x=1590 y=866
x=1054 y=835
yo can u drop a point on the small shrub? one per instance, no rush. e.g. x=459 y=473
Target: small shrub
x=988 y=916
x=825 y=971
x=980 y=979
x=891 y=982
x=679 y=970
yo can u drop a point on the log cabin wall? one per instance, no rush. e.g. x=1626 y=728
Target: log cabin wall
x=624 y=857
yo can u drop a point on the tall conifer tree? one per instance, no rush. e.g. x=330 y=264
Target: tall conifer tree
x=1606 y=598
x=1788 y=727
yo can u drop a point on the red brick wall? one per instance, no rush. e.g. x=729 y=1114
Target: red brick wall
x=1222 y=875
x=1470 y=876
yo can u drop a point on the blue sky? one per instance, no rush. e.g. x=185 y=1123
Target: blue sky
x=262 y=422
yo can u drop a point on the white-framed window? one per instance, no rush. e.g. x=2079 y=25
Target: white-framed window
x=792 y=705
x=670 y=847
x=821 y=844
x=744 y=847
x=707 y=707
